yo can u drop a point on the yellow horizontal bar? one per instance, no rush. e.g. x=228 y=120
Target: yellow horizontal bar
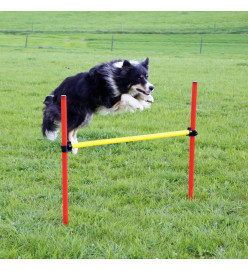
x=131 y=139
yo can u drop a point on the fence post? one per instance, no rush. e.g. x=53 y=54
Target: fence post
x=112 y=45
x=26 y=45
x=201 y=46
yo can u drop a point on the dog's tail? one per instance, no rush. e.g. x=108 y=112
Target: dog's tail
x=51 y=118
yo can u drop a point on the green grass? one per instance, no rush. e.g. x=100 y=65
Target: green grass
x=126 y=200
x=132 y=21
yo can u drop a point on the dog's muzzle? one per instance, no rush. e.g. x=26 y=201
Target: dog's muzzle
x=147 y=91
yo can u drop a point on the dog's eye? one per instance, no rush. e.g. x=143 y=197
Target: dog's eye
x=147 y=76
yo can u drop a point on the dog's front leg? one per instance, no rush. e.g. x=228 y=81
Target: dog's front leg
x=145 y=101
x=147 y=98
x=127 y=103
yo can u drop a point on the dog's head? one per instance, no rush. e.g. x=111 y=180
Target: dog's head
x=137 y=74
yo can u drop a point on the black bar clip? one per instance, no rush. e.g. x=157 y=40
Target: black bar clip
x=67 y=148
x=192 y=132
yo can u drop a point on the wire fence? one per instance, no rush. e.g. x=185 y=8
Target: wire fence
x=157 y=43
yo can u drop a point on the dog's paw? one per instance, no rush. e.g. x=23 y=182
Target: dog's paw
x=74 y=151
x=145 y=104
x=149 y=99
x=139 y=106
x=131 y=103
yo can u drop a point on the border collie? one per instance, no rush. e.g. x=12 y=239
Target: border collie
x=111 y=87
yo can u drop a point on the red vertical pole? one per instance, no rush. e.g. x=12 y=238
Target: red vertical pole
x=192 y=141
x=64 y=158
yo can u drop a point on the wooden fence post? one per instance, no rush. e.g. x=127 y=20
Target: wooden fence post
x=26 y=45
x=201 y=46
x=112 y=45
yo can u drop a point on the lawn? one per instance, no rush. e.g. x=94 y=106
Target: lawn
x=126 y=200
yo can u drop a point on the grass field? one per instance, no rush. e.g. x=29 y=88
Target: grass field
x=126 y=21
x=126 y=200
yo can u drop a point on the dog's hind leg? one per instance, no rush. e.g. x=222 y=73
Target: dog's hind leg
x=74 y=135
x=73 y=139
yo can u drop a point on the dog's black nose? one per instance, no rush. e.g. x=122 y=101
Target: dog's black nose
x=151 y=87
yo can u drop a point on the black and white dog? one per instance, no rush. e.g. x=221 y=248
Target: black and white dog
x=110 y=87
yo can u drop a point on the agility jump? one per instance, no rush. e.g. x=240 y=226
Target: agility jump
x=67 y=146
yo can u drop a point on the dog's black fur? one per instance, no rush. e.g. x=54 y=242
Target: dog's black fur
x=102 y=86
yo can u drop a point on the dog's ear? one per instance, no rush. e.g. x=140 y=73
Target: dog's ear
x=145 y=63
x=126 y=65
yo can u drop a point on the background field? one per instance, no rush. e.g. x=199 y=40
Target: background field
x=126 y=21
x=128 y=200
